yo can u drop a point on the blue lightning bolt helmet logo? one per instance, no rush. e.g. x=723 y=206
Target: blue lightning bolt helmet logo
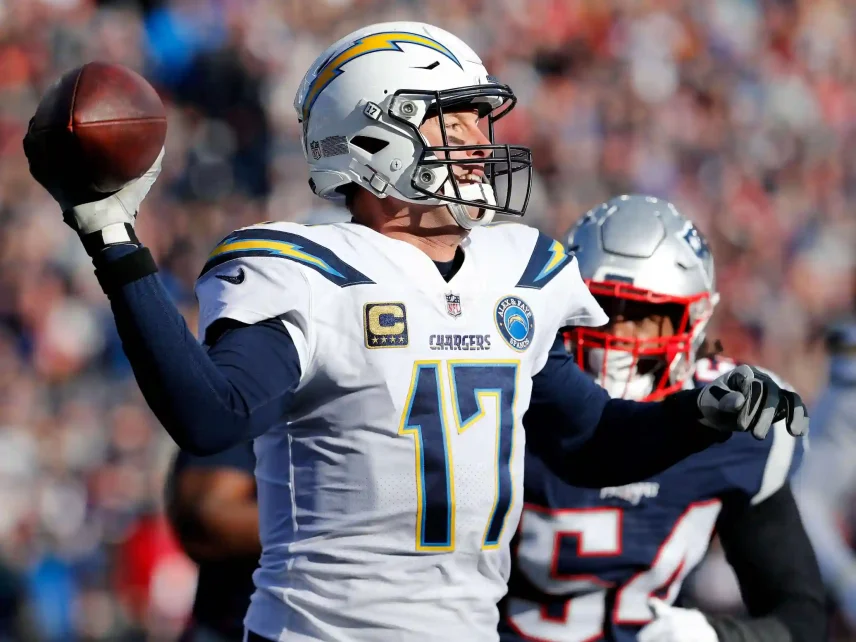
x=386 y=41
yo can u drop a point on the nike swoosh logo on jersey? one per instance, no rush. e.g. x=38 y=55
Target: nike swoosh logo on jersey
x=236 y=279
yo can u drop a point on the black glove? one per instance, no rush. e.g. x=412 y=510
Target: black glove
x=746 y=399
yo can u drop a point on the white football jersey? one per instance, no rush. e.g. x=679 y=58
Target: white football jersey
x=390 y=492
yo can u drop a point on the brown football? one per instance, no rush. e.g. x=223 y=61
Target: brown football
x=99 y=127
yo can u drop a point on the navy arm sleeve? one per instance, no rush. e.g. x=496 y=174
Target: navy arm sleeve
x=208 y=401
x=592 y=441
x=778 y=573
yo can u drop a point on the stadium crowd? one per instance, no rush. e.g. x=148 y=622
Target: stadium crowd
x=742 y=112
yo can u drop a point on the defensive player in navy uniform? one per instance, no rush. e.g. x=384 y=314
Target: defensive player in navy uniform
x=212 y=507
x=608 y=563
x=383 y=366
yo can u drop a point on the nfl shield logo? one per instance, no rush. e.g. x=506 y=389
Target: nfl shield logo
x=453 y=305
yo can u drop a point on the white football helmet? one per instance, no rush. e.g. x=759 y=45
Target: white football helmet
x=361 y=105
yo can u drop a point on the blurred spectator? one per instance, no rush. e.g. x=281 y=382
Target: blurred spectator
x=828 y=479
x=742 y=112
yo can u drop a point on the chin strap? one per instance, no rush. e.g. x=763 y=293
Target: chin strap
x=471 y=192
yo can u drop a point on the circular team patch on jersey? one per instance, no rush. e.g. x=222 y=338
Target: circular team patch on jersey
x=515 y=322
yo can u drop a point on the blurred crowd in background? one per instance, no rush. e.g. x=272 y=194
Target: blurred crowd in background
x=742 y=112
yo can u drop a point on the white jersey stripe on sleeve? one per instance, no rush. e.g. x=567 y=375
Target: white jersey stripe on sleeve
x=778 y=466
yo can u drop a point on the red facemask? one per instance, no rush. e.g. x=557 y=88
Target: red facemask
x=673 y=356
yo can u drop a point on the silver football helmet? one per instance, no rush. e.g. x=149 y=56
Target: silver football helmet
x=641 y=249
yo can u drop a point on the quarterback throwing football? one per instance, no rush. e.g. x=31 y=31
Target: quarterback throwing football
x=383 y=366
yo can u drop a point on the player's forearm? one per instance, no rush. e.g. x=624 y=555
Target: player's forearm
x=196 y=399
x=634 y=441
x=779 y=579
x=593 y=441
x=629 y=441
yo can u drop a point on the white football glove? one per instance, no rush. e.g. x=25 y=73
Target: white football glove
x=108 y=220
x=109 y=215
x=747 y=400
x=672 y=624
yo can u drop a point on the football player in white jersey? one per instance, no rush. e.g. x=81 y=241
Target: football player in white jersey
x=383 y=366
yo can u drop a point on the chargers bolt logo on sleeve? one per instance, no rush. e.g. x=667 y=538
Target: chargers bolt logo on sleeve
x=515 y=322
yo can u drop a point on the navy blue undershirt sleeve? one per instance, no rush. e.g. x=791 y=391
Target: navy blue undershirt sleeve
x=208 y=401
x=592 y=441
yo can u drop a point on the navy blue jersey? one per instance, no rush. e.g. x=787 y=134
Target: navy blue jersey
x=224 y=586
x=586 y=561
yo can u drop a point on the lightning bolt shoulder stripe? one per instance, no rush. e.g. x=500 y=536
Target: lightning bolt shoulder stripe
x=547 y=260
x=266 y=242
x=386 y=41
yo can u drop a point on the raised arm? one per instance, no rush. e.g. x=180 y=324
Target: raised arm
x=207 y=401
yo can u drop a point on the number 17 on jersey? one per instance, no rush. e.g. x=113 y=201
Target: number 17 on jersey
x=472 y=384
